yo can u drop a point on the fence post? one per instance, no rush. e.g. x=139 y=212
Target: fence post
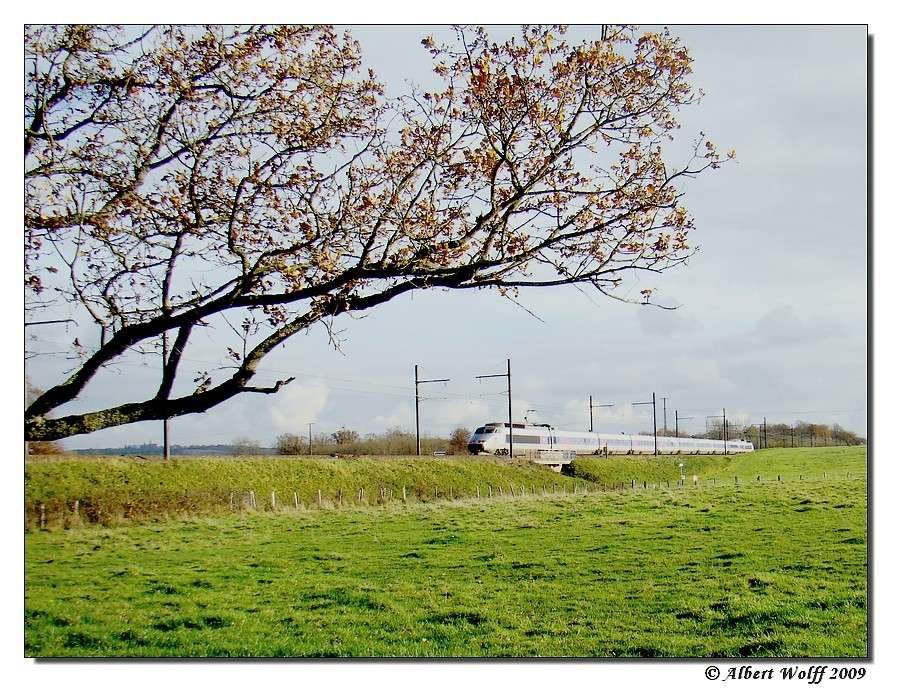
x=253 y=499
x=523 y=489
x=273 y=500
x=296 y=500
x=404 y=494
x=632 y=482
x=779 y=477
x=451 y=493
x=340 y=497
x=43 y=516
x=230 y=502
x=319 y=497
x=477 y=492
x=490 y=491
x=735 y=480
x=76 y=505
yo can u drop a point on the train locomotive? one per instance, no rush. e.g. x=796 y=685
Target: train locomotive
x=493 y=437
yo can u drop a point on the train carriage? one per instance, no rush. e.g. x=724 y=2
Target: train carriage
x=493 y=437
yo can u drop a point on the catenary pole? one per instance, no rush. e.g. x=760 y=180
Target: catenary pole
x=418 y=381
x=676 y=422
x=652 y=401
x=508 y=376
x=509 y=401
x=591 y=407
x=165 y=357
x=724 y=431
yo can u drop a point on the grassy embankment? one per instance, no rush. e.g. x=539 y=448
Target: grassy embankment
x=769 y=464
x=110 y=490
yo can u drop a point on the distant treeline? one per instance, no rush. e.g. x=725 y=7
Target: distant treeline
x=778 y=434
x=394 y=441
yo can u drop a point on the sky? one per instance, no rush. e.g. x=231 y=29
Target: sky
x=772 y=312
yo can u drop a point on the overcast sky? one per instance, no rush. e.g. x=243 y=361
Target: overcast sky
x=772 y=311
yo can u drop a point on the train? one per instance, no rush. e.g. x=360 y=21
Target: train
x=493 y=437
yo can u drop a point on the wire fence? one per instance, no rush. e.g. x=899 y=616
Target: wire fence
x=67 y=514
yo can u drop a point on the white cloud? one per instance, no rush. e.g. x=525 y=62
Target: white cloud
x=296 y=405
x=401 y=416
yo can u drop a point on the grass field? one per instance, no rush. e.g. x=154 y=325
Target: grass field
x=763 y=568
x=113 y=490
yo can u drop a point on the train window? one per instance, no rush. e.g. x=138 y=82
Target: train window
x=524 y=439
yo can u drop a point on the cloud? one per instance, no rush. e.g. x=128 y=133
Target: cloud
x=296 y=405
x=663 y=322
x=401 y=416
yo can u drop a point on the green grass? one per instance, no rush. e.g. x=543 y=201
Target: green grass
x=615 y=470
x=766 y=464
x=793 y=462
x=761 y=569
x=111 y=490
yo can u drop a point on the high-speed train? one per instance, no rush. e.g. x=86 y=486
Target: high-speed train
x=493 y=437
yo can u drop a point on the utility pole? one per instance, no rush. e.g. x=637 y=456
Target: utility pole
x=416 y=377
x=765 y=434
x=591 y=407
x=652 y=401
x=676 y=422
x=792 y=435
x=724 y=431
x=309 y=438
x=665 y=425
x=508 y=376
x=165 y=357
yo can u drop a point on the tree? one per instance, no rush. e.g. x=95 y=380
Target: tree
x=245 y=446
x=459 y=441
x=256 y=182
x=343 y=437
x=291 y=444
